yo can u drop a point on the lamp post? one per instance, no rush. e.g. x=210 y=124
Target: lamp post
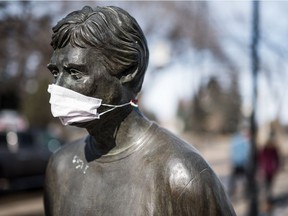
x=252 y=184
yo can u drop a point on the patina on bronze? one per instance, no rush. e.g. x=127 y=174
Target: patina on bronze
x=127 y=165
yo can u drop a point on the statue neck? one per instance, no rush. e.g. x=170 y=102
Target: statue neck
x=116 y=132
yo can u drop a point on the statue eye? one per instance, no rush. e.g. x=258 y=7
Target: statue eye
x=53 y=70
x=76 y=74
x=55 y=73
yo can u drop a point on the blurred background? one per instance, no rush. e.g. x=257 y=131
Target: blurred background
x=217 y=78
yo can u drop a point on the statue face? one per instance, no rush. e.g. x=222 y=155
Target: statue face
x=81 y=70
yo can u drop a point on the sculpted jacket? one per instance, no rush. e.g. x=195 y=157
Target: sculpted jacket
x=159 y=175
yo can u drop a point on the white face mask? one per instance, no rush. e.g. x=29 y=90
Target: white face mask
x=72 y=107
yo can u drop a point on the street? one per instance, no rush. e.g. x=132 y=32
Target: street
x=22 y=203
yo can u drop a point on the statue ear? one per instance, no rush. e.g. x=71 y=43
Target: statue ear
x=129 y=74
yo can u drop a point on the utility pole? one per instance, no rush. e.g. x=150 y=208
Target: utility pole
x=252 y=184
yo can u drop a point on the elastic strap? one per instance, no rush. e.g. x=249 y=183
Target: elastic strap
x=132 y=103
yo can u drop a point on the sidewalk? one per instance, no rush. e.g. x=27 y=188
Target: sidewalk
x=216 y=151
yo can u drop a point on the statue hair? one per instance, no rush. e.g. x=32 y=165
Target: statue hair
x=114 y=33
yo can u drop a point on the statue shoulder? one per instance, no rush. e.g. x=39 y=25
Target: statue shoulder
x=182 y=161
x=62 y=158
x=191 y=178
x=206 y=196
x=177 y=150
x=184 y=165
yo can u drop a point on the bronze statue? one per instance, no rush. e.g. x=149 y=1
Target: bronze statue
x=127 y=165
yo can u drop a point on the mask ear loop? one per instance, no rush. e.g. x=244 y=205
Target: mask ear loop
x=132 y=103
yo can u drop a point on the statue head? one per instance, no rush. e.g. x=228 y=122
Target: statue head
x=116 y=37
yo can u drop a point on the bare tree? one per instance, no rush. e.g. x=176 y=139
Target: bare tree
x=24 y=55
